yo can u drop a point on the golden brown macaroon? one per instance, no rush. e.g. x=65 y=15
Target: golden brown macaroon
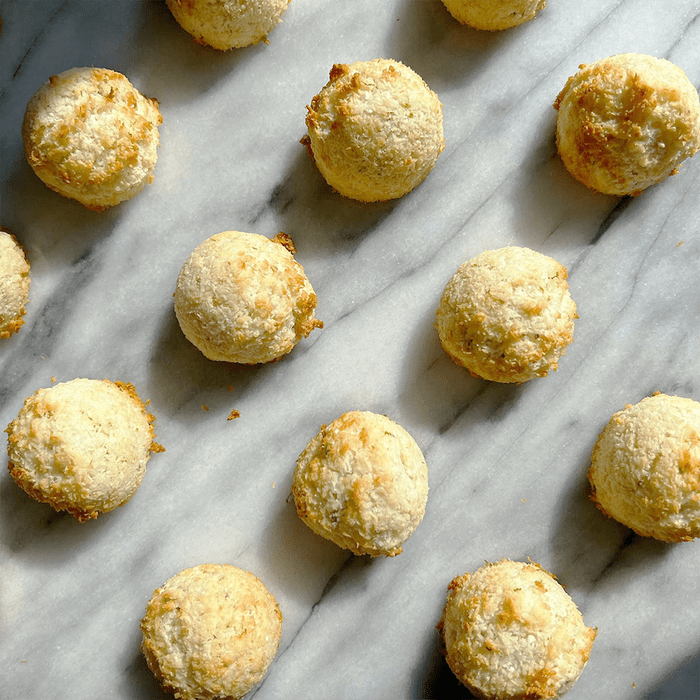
x=627 y=122
x=81 y=446
x=90 y=135
x=374 y=130
x=645 y=468
x=14 y=284
x=362 y=483
x=494 y=14
x=228 y=24
x=211 y=632
x=507 y=315
x=511 y=632
x=241 y=297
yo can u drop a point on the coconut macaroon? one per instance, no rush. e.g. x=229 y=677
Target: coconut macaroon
x=14 y=284
x=90 y=135
x=362 y=483
x=511 y=632
x=627 y=122
x=493 y=14
x=374 y=130
x=645 y=468
x=228 y=24
x=211 y=632
x=507 y=315
x=241 y=297
x=81 y=446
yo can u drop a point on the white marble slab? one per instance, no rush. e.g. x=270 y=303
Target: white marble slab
x=507 y=463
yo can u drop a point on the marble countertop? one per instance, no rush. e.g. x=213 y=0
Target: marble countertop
x=507 y=463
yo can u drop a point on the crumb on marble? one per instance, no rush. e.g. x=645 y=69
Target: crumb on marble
x=234 y=414
x=205 y=407
x=679 y=244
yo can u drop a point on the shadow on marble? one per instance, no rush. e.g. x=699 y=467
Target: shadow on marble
x=295 y=556
x=138 y=680
x=65 y=230
x=435 y=680
x=179 y=373
x=443 y=52
x=588 y=546
x=436 y=390
x=33 y=529
x=162 y=44
x=315 y=216
x=683 y=683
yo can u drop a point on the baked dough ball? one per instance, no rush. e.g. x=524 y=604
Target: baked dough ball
x=90 y=135
x=211 y=632
x=362 y=483
x=228 y=24
x=507 y=315
x=645 y=468
x=511 y=632
x=14 y=284
x=375 y=130
x=627 y=122
x=494 y=14
x=242 y=297
x=81 y=446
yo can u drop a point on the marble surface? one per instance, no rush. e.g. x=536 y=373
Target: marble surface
x=507 y=463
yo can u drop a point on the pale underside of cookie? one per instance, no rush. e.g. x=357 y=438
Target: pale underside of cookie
x=627 y=122
x=493 y=15
x=81 y=446
x=511 y=632
x=91 y=136
x=362 y=483
x=228 y=24
x=211 y=632
x=14 y=284
x=507 y=315
x=375 y=130
x=645 y=468
x=241 y=297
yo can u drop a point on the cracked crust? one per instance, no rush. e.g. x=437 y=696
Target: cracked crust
x=362 y=483
x=211 y=632
x=507 y=315
x=493 y=15
x=241 y=297
x=228 y=24
x=81 y=446
x=91 y=136
x=14 y=284
x=645 y=468
x=511 y=632
x=627 y=122
x=374 y=130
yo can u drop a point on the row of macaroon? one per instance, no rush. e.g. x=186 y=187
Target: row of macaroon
x=310 y=498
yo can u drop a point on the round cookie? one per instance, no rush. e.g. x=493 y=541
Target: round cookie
x=627 y=122
x=362 y=483
x=374 y=130
x=507 y=315
x=494 y=14
x=511 y=632
x=241 y=297
x=90 y=135
x=645 y=468
x=228 y=24
x=81 y=446
x=14 y=284
x=211 y=632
